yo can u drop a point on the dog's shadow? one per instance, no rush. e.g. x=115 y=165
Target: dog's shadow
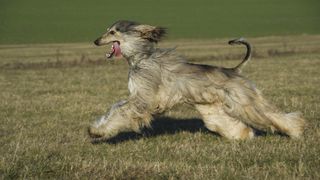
x=160 y=126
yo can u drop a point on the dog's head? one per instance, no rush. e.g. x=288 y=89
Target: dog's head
x=129 y=38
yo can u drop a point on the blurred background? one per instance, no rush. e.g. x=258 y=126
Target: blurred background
x=43 y=21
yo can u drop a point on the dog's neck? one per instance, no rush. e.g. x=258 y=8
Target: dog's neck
x=136 y=50
x=134 y=60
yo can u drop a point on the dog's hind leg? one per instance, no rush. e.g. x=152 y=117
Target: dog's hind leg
x=291 y=124
x=123 y=116
x=245 y=102
x=218 y=121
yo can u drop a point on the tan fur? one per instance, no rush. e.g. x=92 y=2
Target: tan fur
x=159 y=79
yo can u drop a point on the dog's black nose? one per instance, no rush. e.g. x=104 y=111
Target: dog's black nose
x=97 y=42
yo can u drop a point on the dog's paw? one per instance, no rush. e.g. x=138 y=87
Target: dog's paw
x=92 y=133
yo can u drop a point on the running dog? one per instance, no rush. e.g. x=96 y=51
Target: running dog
x=229 y=103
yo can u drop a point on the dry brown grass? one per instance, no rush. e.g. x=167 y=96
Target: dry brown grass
x=50 y=94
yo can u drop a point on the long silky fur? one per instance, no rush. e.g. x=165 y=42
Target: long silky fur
x=160 y=79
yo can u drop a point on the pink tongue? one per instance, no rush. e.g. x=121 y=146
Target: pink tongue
x=117 y=50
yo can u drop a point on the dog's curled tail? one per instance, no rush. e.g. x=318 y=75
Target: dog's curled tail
x=241 y=41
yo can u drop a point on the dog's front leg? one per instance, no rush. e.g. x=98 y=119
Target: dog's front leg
x=123 y=116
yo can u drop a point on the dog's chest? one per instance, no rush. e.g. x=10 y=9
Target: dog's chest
x=132 y=86
x=135 y=81
x=144 y=82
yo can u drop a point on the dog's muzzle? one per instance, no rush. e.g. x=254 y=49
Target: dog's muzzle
x=97 y=42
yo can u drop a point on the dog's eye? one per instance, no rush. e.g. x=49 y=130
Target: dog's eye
x=112 y=32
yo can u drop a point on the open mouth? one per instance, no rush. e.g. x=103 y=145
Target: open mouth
x=115 y=50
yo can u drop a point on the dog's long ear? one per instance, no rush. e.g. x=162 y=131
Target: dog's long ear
x=152 y=33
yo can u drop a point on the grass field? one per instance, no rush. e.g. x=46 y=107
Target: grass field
x=38 y=21
x=51 y=92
